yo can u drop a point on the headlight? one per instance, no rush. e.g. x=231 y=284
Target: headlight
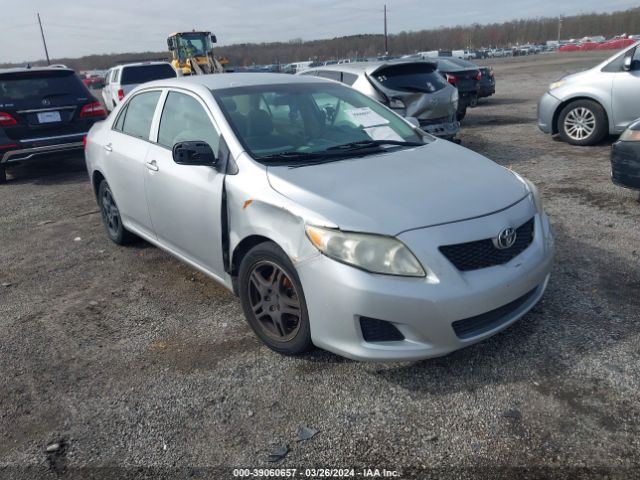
x=374 y=253
x=557 y=84
x=537 y=199
x=630 y=136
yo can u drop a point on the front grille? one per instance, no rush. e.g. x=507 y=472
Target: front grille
x=483 y=253
x=374 y=330
x=479 y=324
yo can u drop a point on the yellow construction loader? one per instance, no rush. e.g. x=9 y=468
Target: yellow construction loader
x=192 y=53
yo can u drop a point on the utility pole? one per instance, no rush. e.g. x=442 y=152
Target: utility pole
x=559 y=27
x=46 y=52
x=386 y=40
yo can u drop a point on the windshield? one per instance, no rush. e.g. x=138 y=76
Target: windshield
x=297 y=121
x=193 y=43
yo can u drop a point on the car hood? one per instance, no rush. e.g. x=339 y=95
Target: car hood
x=401 y=190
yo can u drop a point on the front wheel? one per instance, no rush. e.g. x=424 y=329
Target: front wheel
x=273 y=301
x=583 y=122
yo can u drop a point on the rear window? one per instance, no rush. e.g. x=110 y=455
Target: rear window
x=414 y=77
x=146 y=73
x=36 y=85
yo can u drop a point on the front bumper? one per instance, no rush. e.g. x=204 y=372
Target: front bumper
x=424 y=309
x=445 y=130
x=547 y=107
x=625 y=164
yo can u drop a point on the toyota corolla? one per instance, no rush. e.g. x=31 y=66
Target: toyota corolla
x=338 y=223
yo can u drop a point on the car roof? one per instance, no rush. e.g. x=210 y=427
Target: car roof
x=34 y=69
x=368 y=67
x=141 y=64
x=229 y=80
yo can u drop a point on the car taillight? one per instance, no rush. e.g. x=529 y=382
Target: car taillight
x=451 y=79
x=6 y=120
x=94 y=109
x=491 y=72
x=120 y=94
x=478 y=75
x=8 y=145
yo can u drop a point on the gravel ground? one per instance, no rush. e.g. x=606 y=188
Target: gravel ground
x=137 y=365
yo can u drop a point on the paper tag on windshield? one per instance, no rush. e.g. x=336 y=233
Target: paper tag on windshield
x=366 y=117
x=383 y=133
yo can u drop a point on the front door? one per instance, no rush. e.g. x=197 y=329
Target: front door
x=185 y=200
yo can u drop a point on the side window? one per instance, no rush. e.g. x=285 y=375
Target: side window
x=139 y=114
x=120 y=120
x=331 y=75
x=184 y=119
x=349 y=78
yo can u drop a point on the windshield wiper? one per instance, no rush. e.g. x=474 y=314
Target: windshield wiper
x=374 y=143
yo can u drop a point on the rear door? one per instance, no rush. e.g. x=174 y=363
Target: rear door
x=45 y=106
x=125 y=153
x=626 y=93
x=185 y=200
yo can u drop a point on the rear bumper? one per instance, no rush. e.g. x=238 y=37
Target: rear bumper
x=34 y=149
x=625 y=164
x=487 y=90
x=547 y=106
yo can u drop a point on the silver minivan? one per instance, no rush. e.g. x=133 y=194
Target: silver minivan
x=584 y=107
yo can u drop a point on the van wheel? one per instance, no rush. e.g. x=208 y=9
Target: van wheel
x=583 y=122
x=111 y=216
x=273 y=301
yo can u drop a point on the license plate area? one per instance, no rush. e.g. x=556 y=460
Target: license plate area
x=49 y=117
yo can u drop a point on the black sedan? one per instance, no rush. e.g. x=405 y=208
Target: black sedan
x=487 y=85
x=465 y=76
x=625 y=158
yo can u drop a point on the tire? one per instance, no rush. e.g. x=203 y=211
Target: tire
x=273 y=301
x=583 y=122
x=3 y=175
x=461 y=114
x=111 y=216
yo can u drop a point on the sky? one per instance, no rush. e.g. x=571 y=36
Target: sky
x=74 y=28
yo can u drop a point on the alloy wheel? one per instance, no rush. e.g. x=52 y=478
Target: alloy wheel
x=274 y=301
x=580 y=123
x=110 y=213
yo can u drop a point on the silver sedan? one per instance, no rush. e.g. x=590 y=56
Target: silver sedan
x=355 y=232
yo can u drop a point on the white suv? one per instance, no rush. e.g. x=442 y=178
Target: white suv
x=122 y=79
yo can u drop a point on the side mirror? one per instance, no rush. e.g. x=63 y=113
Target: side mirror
x=214 y=39
x=194 y=153
x=627 y=62
x=413 y=121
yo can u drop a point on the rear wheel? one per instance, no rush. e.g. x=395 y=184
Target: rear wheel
x=3 y=174
x=461 y=114
x=111 y=216
x=273 y=301
x=583 y=122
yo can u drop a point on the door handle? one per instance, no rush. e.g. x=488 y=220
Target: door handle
x=152 y=165
x=108 y=147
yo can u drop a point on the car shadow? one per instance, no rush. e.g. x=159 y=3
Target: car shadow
x=553 y=338
x=68 y=170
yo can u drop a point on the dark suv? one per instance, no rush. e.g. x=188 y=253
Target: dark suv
x=44 y=112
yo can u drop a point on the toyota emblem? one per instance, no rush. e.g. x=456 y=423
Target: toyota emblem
x=505 y=239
